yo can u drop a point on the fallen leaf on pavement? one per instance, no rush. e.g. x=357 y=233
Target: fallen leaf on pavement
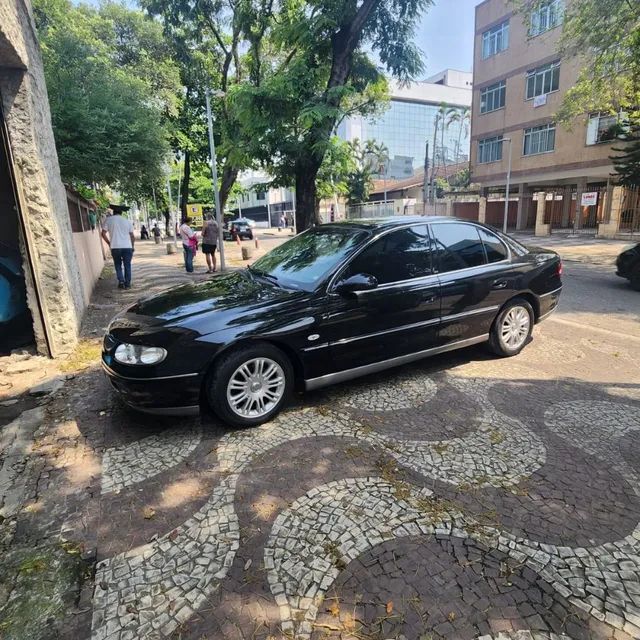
x=148 y=513
x=389 y=607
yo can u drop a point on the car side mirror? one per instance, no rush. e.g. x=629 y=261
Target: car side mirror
x=357 y=282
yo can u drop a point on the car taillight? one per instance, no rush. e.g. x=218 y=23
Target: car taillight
x=559 y=268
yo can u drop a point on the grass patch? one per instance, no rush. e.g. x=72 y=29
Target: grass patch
x=86 y=353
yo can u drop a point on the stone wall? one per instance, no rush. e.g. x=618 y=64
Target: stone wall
x=55 y=292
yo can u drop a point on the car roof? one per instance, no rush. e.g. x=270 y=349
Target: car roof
x=392 y=221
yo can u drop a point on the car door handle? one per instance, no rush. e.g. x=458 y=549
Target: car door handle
x=431 y=297
x=499 y=284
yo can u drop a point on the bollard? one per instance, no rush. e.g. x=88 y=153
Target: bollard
x=171 y=248
x=257 y=244
x=238 y=239
x=247 y=252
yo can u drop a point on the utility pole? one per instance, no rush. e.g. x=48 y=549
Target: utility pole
x=506 y=199
x=425 y=181
x=214 y=175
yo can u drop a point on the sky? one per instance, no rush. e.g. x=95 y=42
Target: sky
x=445 y=35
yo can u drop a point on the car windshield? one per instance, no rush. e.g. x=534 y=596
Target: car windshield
x=304 y=261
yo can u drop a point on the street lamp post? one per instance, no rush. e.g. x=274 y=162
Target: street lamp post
x=506 y=200
x=214 y=175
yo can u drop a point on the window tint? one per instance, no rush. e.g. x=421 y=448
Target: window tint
x=399 y=255
x=496 y=251
x=458 y=246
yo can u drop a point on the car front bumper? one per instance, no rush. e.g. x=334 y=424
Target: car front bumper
x=170 y=395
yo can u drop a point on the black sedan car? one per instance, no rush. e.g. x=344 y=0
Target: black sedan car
x=238 y=229
x=628 y=265
x=335 y=302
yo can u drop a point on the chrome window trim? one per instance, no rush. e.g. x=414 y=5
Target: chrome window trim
x=332 y=281
x=356 y=372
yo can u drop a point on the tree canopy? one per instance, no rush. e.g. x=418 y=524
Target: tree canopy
x=112 y=89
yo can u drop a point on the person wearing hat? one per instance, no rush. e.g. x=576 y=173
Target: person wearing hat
x=118 y=234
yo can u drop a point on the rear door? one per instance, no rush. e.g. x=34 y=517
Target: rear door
x=476 y=278
x=400 y=316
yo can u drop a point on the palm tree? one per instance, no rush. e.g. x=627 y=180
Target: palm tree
x=443 y=113
x=464 y=121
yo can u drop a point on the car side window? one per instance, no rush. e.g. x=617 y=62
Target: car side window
x=495 y=248
x=400 y=255
x=458 y=246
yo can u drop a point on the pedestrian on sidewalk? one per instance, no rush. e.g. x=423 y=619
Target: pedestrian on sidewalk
x=189 y=244
x=117 y=232
x=210 y=242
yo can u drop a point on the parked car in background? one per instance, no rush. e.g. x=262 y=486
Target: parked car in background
x=333 y=303
x=628 y=265
x=240 y=227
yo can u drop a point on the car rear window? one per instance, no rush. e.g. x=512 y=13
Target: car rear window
x=458 y=246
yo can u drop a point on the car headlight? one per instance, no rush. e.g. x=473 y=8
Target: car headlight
x=139 y=354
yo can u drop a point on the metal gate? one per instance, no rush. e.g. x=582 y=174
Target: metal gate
x=566 y=214
x=630 y=213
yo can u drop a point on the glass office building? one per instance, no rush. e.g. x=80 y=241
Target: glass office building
x=409 y=123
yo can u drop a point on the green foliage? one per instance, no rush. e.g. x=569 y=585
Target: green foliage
x=369 y=159
x=338 y=165
x=111 y=86
x=627 y=164
x=322 y=73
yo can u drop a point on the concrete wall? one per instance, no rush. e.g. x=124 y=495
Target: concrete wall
x=55 y=291
x=90 y=260
x=572 y=156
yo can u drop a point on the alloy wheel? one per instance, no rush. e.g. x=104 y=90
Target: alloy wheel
x=255 y=387
x=515 y=327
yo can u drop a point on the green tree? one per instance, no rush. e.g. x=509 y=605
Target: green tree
x=218 y=45
x=338 y=165
x=109 y=111
x=461 y=117
x=324 y=74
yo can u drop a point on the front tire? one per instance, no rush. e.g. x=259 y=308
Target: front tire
x=512 y=328
x=250 y=385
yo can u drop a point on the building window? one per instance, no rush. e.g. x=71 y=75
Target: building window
x=495 y=40
x=540 y=139
x=543 y=80
x=546 y=16
x=603 y=127
x=260 y=194
x=493 y=97
x=490 y=150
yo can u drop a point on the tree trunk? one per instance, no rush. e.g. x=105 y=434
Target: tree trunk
x=184 y=189
x=229 y=177
x=307 y=203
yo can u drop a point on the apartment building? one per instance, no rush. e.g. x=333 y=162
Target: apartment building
x=519 y=81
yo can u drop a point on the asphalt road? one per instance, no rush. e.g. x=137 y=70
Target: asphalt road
x=594 y=296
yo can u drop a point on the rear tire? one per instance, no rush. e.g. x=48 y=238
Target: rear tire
x=511 y=330
x=250 y=385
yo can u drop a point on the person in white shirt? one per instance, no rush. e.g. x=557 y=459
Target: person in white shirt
x=118 y=234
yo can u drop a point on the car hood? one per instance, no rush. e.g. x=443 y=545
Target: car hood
x=230 y=295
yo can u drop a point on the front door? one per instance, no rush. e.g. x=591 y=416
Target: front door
x=400 y=316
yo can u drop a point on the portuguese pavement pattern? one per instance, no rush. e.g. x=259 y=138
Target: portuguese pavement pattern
x=462 y=498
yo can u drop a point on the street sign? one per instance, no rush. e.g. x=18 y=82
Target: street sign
x=589 y=199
